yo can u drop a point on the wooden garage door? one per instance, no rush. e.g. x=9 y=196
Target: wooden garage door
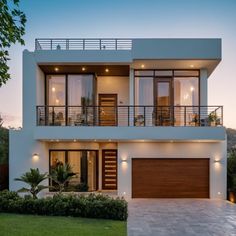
x=170 y=178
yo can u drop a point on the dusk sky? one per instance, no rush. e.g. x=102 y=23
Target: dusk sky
x=129 y=19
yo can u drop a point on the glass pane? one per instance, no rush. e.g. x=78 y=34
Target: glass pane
x=80 y=90
x=74 y=160
x=163 y=93
x=186 y=73
x=144 y=91
x=57 y=158
x=163 y=73
x=56 y=90
x=186 y=93
x=144 y=73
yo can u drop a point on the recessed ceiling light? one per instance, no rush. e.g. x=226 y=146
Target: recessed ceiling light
x=107 y=70
x=56 y=69
x=53 y=89
x=83 y=68
x=142 y=66
x=191 y=66
x=192 y=89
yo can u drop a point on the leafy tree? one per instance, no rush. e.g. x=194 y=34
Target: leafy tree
x=61 y=175
x=4 y=143
x=33 y=178
x=12 y=28
x=231 y=170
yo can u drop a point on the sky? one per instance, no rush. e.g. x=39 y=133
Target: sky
x=129 y=19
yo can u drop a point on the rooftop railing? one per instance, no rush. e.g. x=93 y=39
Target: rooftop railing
x=130 y=116
x=82 y=44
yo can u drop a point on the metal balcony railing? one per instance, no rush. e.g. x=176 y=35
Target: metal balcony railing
x=129 y=116
x=82 y=44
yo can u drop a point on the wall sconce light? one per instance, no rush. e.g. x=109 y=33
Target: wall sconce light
x=35 y=157
x=124 y=160
x=220 y=161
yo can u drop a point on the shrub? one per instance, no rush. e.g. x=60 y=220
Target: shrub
x=90 y=206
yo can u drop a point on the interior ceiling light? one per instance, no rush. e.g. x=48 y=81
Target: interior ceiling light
x=53 y=89
x=191 y=66
x=107 y=70
x=56 y=69
x=83 y=69
x=142 y=66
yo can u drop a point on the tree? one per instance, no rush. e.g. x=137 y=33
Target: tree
x=61 y=175
x=12 y=28
x=33 y=178
x=231 y=170
x=4 y=143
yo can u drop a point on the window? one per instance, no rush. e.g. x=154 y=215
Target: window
x=80 y=90
x=83 y=163
x=144 y=91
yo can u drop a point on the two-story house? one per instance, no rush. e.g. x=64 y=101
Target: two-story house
x=130 y=116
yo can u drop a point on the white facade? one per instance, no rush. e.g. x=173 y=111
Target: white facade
x=129 y=140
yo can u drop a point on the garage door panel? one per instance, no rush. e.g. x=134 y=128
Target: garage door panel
x=170 y=178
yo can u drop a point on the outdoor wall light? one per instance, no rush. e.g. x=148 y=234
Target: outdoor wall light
x=124 y=160
x=220 y=161
x=35 y=157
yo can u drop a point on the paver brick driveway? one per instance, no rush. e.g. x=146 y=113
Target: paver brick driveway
x=181 y=217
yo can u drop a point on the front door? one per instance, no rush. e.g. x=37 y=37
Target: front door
x=109 y=169
x=107 y=109
x=163 y=101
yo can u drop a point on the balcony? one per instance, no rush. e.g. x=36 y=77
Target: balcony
x=83 y=44
x=124 y=116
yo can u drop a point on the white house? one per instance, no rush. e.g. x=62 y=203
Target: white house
x=129 y=115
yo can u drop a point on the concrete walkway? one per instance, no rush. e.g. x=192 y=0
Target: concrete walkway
x=180 y=217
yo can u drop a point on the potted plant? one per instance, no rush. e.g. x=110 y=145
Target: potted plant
x=231 y=176
x=212 y=119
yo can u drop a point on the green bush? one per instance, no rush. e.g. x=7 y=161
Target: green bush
x=90 y=206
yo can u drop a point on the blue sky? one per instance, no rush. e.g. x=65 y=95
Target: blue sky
x=130 y=18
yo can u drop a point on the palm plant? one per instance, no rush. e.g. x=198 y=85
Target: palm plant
x=33 y=178
x=61 y=175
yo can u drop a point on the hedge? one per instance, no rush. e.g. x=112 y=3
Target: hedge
x=90 y=206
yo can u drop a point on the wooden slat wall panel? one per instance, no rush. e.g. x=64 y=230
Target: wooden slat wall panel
x=170 y=178
x=109 y=169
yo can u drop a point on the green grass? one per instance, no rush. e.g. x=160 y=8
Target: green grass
x=28 y=225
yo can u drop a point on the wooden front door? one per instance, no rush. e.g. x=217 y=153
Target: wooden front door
x=107 y=109
x=170 y=178
x=109 y=169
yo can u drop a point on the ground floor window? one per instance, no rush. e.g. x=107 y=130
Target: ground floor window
x=84 y=164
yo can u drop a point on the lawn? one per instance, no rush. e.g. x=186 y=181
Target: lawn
x=24 y=225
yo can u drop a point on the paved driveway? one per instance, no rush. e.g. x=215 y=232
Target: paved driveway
x=181 y=217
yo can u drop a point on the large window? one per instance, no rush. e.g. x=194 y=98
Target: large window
x=185 y=84
x=84 y=164
x=72 y=90
x=67 y=96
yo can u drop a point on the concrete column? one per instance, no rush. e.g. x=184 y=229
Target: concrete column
x=203 y=87
x=131 y=97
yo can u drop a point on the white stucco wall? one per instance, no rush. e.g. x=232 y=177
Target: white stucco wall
x=212 y=150
x=115 y=85
x=21 y=150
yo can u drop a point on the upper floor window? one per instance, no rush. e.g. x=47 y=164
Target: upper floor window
x=72 y=90
x=167 y=87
